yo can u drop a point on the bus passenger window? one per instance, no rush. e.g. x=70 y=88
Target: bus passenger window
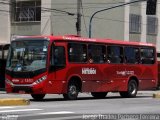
x=90 y=58
x=77 y=52
x=147 y=56
x=114 y=54
x=96 y=53
x=131 y=55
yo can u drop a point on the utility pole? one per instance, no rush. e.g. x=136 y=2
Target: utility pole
x=78 y=23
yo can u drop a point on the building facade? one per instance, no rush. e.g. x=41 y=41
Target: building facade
x=4 y=22
x=59 y=17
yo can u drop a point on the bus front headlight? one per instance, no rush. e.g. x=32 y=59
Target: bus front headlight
x=40 y=80
x=9 y=82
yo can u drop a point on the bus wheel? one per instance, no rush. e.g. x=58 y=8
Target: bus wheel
x=72 y=92
x=38 y=97
x=99 y=94
x=132 y=90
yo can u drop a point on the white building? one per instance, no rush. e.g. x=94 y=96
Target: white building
x=4 y=22
x=45 y=17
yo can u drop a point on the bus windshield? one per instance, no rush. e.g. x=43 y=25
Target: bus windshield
x=27 y=55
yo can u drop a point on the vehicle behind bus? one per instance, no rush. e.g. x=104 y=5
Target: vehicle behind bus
x=68 y=65
x=3 y=58
x=158 y=86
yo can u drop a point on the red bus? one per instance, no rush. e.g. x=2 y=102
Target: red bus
x=67 y=65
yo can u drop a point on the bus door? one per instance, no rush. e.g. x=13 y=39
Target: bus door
x=57 y=66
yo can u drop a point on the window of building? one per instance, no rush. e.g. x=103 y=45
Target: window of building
x=147 y=56
x=131 y=55
x=96 y=53
x=77 y=52
x=152 y=23
x=115 y=54
x=135 y=23
x=27 y=11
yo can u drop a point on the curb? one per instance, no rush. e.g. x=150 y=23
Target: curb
x=156 y=95
x=14 y=102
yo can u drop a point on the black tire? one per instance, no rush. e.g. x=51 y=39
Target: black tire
x=72 y=92
x=38 y=97
x=99 y=95
x=132 y=90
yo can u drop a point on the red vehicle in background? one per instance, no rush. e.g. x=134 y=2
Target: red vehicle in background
x=67 y=65
x=158 y=86
x=3 y=58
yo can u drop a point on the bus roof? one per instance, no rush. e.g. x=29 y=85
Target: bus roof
x=75 y=38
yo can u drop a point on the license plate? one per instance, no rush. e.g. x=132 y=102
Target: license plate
x=22 y=92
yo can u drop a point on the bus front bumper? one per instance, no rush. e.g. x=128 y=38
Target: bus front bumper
x=25 y=89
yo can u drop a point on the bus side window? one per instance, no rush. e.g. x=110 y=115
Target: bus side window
x=137 y=55
x=96 y=53
x=115 y=54
x=147 y=56
x=77 y=52
x=90 y=58
x=131 y=55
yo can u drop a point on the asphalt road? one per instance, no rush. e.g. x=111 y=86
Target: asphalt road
x=54 y=107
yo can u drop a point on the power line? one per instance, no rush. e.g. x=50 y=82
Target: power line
x=57 y=10
x=63 y=12
x=44 y=9
x=4 y=11
x=113 y=7
x=100 y=18
x=71 y=4
x=66 y=12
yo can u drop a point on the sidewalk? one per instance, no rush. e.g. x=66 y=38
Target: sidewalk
x=149 y=92
x=2 y=92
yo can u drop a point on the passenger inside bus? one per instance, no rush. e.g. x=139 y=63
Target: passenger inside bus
x=90 y=58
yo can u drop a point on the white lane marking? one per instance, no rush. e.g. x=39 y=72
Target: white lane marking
x=20 y=110
x=6 y=107
x=60 y=112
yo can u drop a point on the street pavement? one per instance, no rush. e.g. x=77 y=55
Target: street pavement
x=54 y=107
